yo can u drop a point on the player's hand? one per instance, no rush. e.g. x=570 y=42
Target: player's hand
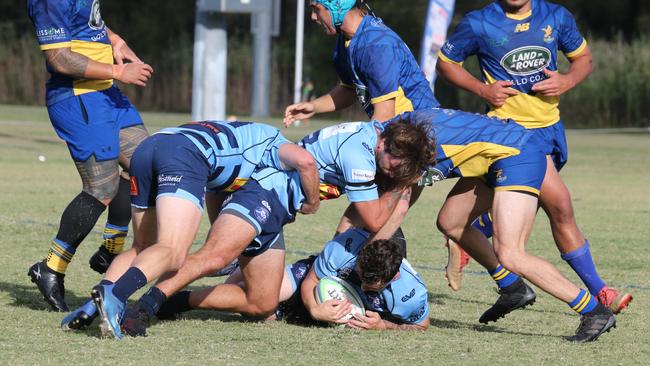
x=133 y=73
x=371 y=320
x=297 y=112
x=556 y=84
x=497 y=92
x=309 y=208
x=123 y=53
x=332 y=311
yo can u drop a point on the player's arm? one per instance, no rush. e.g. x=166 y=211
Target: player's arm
x=330 y=311
x=121 y=51
x=293 y=156
x=396 y=218
x=372 y=320
x=338 y=98
x=372 y=215
x=495 y=94
x=558 y=84
x=384 y=110
x=64 y=61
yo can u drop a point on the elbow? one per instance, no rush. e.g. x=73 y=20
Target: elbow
x=306 y=163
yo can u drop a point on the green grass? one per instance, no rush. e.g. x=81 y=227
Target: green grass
x=608 y=178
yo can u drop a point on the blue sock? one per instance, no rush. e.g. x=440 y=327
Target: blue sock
x=582 y=263
x=503 y=277
x=584 y=303
x=130 y=282
x=152 y=300
x=484 y=224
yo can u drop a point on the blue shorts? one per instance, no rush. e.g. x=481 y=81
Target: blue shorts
x=554 y=143
x=523 y=172
x=262 y=209
x=90 y=123
x=298 y=271
x=168 y=165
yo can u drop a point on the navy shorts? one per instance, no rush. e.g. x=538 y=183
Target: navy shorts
x=554 y=143
x=168 y=165
x=523 y=172
x=90 y=123
x=263 y=210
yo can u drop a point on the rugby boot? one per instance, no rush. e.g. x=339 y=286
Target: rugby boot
x=101 y=260
x=136 y=320
x=50 y=284
x=456 y=261
x=614 y=300
x=593 y=324
x=80 y=317
x=111 y=310
x=516 y=296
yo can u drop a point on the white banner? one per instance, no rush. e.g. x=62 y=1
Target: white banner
x=435 y=32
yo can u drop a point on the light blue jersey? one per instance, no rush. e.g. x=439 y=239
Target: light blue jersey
x=403 y=300
x=233 y=150
x=346 y=159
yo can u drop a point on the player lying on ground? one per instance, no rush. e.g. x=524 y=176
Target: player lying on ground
x=502 y=166
x=98 y=123
x=393 y=294
x=529 y=93
x=170 y=172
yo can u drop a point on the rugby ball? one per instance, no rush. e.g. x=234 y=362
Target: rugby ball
x=334 y=288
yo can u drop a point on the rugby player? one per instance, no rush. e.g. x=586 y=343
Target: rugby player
x=501 y=166
x=347 y=155
x=97 y=122
x=517 y=43
x=394 y=295
x=373 y=63
x=170 y=172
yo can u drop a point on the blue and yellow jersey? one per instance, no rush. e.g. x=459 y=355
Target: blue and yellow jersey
x=234 y=150
x=517 y=48
x=467 y=144
x=403 y=300
x=345 y=157
x=74 y=24
x=380 y=66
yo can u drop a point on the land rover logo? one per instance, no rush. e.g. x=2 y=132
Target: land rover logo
x=526 y=60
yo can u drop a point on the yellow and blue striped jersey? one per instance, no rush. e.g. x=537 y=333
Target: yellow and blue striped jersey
x=380 y=66
x=517 y=48
x=467 y=143
x=74 y=24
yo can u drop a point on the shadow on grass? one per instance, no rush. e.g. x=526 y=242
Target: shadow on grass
x=28 y=296
x=453 y=324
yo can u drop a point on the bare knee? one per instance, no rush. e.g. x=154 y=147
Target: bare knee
x=450 y=227
x=512 y=259
x=261 y=311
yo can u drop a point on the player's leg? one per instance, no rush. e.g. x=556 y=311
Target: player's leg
x=574 y=248
x=119 y=210
x=514 y=214
x=467 y=199
x=262 y=282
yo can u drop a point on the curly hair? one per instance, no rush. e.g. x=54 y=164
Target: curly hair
x=414 y=143
x=379 y=261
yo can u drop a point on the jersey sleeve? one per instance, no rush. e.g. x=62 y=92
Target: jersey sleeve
x=418 y=309
x=357 y=164
x=570 y=41
x=51 y=19
x=461 y=44
x=380 y=68
x=328 y=261
x=273 y=159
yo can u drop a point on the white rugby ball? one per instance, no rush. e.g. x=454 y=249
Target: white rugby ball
x=334 y=288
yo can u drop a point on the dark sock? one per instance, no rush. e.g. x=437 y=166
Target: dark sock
x=176 y=304
x=152 y=300
x=79 y=218
x=105 y=282
x=119 y=210
x=129 y=283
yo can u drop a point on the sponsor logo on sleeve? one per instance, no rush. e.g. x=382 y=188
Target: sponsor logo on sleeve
x=51 y=34
x=408 y=296
x=363 y=175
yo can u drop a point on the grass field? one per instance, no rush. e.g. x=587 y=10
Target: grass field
x=608 y=177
